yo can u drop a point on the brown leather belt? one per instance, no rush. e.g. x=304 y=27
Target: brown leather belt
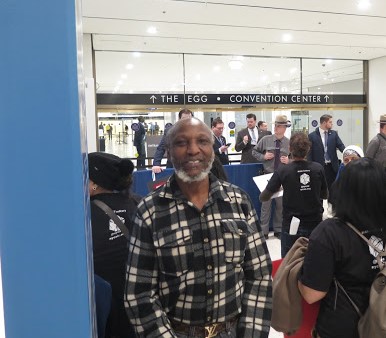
x=208 y=331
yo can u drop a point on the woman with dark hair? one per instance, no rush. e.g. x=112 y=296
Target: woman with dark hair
x=335 y=251
x=304 y=185
x=110 y=180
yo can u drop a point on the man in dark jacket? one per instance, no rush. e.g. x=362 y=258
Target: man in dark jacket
x=246 y=139
x=139 y=143
x=324 y=142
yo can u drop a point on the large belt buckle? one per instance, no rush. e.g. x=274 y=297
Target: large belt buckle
x=210 y=331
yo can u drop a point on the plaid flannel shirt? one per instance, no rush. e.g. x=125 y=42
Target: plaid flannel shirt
x=198 y=266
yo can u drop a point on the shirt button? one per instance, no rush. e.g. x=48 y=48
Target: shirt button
x=210 y=267
x=210 y=291
x=209 y=318
x=206 y=240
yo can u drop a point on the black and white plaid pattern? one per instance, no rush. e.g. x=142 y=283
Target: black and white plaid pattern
x=198 y=267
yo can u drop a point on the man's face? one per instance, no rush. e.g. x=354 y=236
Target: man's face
x=264 y=126
x=280 y=130
x=186 y=116
x=191 y=151
x=327 y=124
x=218 y=129
x=251 y=123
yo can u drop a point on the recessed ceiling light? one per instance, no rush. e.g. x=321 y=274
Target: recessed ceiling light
x=152 y=30
x=287 y=37
x=123 y=76
x=293 y=70
x=364 y=4
x=136 y=54
x=236 y=62
x=216 y=68
x=119 y=82
x=129 y=66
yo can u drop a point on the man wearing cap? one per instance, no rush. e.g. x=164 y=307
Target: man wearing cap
x=198 y=264
x=376 y=149
x=246 y=139
x=324 y=143
x=273 y=151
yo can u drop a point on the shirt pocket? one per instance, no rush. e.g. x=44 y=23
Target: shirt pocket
x=174 y=251
x=235 y=240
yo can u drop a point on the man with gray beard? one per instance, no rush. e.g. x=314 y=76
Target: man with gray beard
x=198 y=263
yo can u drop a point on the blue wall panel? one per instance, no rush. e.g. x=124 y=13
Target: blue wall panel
x=44 y=228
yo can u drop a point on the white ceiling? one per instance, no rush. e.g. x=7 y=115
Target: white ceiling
x=320 y=29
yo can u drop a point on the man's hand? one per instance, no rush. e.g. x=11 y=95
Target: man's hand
x=268 y=156
x=156 y=169
x=245 y=139
x=223 y=149
x=284 y=159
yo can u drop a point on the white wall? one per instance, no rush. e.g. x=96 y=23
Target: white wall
x=377 y=90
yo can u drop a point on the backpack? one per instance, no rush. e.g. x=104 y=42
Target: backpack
x=372 y=324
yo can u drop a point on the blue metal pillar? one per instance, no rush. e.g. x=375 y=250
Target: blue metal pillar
x=44 y=221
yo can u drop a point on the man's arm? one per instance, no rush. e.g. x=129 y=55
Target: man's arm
x=372 y=148
x=255 y=317
x=339 y=143
x=273 y=186
x=258 y=150
x=240 y=145
x=159 y=153
x=142 y=302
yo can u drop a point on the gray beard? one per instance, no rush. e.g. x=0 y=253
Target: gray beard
x=184 y=177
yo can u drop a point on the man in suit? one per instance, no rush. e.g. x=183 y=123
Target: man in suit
x=324 y=142
x=219 y=146
x=262 y=126
x=246 y=139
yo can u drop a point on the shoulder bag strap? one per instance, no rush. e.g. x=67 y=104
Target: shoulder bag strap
x=113 y=216
x=381 y=253
x=340 y=286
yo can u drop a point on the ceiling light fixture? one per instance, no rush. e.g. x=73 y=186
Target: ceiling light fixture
x=287 y=37
x=152 y=30
x=136 y=54
x=364 y=4
x=236 y=63
x=123 y=76
x=129 y=66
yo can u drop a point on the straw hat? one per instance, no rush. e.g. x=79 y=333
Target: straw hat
x=382 y=119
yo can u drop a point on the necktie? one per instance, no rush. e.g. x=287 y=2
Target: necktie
x=277 y=154
x=220 y=140
x=253 y=136
x=326 y=156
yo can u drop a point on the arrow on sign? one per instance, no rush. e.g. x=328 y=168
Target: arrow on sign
x=153 y=98
x=326 y=98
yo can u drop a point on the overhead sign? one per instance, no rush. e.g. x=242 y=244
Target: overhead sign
x=240 y=99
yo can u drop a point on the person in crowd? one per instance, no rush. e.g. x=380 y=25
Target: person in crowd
x=160 y=151
x=139 y=143
x=246 y=139
x=262 y=127
x=273 y=151
x=110 y=179
x=336 y=252
x=220 y=146
x=101 y=127
x=198 y=263
x=109 y=129
x=350 y=153
x=324 y=143
x=376 y=149
x=304 y=185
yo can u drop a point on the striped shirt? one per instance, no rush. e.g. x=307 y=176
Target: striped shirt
x=198 y=266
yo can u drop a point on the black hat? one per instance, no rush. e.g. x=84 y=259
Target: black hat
x=109 y=171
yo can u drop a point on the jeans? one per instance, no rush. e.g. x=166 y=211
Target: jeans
x=288 y=240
